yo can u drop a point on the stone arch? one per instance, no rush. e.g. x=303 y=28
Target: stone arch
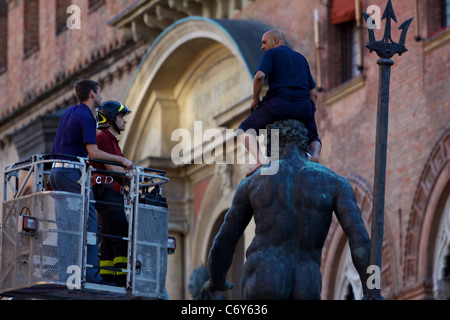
x=430 y=197
x=187 y=75
x=335 y=245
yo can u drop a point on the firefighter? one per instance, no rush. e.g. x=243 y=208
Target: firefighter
x=109 y=191
x=76 y=136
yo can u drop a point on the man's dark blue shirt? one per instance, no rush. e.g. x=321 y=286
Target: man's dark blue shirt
x=76 y=129
x=288 y=74
x=288 y=97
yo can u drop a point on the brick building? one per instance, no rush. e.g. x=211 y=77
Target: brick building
x=176 y=63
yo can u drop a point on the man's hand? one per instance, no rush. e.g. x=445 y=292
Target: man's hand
x=255 y=103
x=127 y=164
x=258 y=83
x=208 y=289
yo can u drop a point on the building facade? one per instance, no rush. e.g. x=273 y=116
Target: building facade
x=185 y=69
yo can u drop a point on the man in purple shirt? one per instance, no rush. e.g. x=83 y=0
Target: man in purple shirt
x=76 y=137
x=291 y=95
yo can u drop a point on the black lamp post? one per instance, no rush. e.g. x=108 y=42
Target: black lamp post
x=386 y=49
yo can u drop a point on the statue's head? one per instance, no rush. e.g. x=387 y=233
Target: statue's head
x=290 y=131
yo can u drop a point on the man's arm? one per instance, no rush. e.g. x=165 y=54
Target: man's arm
x=113 y=168
x=258 y=84
x=222 y=250
x=96 y=153
x=349 y=216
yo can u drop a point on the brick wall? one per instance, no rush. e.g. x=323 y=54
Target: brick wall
x=59 y=55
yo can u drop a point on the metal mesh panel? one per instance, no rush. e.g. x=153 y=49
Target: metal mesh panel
x=44 y=256
x=151 y=251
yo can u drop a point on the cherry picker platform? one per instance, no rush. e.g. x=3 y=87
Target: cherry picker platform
x=44 y=234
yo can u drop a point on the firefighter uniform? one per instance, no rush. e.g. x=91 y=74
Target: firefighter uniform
x=109 y=194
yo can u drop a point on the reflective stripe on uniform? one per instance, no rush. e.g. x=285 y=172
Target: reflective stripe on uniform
x=106 y=263
x=120 y=262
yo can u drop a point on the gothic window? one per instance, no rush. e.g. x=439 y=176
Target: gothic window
x=3 y=35
x=446 y=271
x=349 y=51
x=31 y=27
x=94 y=4
x=441 y=265
x=350 y=295
x=348 y=284
x=438 y=16
x=62 y=15
x=445 y=13
x=343 y=42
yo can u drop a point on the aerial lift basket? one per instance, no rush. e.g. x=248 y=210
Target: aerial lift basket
x=44 y=235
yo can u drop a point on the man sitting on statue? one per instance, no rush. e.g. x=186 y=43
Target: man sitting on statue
x=291 y=95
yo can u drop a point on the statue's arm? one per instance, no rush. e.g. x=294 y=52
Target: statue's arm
x=349 y=216
x=222 y=250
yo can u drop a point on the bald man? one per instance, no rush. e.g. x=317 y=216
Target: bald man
x=292 y=94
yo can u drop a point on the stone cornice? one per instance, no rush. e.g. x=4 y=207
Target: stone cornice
x=146 y=19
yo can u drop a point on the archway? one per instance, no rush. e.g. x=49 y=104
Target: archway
x=197 y=69
x=426 y=214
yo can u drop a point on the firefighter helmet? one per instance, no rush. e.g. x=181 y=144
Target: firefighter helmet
x=106 y=114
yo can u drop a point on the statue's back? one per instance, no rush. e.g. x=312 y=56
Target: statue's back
x=292 y=211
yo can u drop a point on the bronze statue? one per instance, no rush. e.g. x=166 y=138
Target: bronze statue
x=292 y=211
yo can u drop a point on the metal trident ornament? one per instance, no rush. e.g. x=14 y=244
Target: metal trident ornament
x=386 y=48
